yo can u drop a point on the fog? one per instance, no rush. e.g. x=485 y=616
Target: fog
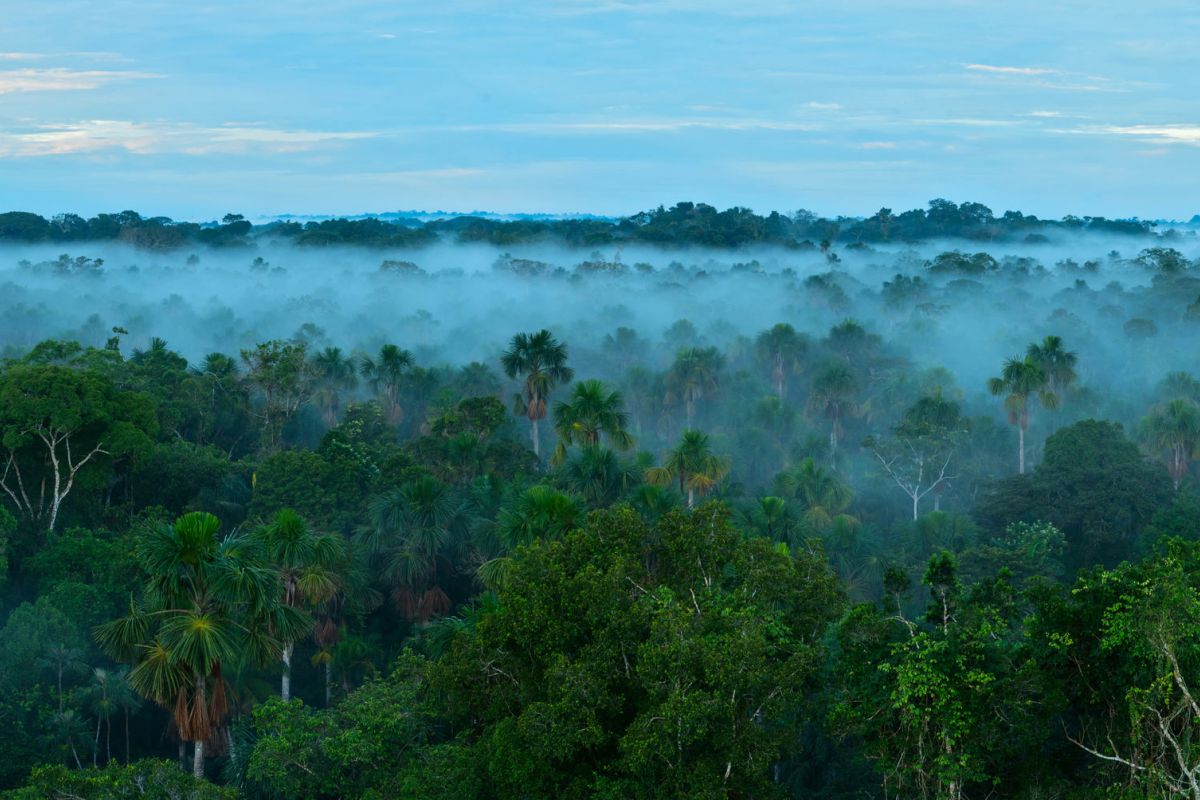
x=454 y=304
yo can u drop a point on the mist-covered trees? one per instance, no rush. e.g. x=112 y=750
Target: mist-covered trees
x=541 y=362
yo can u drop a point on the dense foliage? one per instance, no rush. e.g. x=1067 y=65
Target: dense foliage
x=804 y=558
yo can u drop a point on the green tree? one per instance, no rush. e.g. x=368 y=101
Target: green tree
x=1021 y=382
x=335 y=374
x=542 y=361
x=1058 y=364
x=307 y=564
x=833 y=394
x=625 y=662
x=695 y=374
x=283 y=379
x=385 y=375
x=55 y=422
x=209 y=603
x=1174 y=429
x=780 y=348
x=591 y=411
x=692 y=465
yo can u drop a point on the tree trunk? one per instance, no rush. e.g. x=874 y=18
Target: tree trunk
x=691 y=498
x=916 y=500
x=107 y=740
x=182 y=754
x=198 y=761
x=96 y=743
x=533 y=434
x=1021 y=450
x=328 y=681
x=285 y=688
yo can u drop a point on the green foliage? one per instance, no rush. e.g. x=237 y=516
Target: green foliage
x=142 y=780
x=596 y=675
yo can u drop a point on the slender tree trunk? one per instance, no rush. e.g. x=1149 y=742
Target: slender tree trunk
x=182 y=754
x=691 y=498
x=96 y=743
x=937 y=501
x=198 y=761
x=107 y=740
x=285 y=688
x=1021 y=450
x=916 y=499
x=328 y=681
x=74 y=752
x=533 y=434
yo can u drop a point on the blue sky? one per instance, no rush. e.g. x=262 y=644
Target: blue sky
x=611 y=106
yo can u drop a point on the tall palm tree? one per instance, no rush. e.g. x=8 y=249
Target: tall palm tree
x=1021 y=382
x=1057 y=362
x=822 y=495
x=833 y=393
x=209 y=601
x=692 y=465
x=596 y=474
x=540 y=512
x=1175 y=428
x=780 y=348
x=412 y=535
x=108 y=694
x=592 y=410
x=307 y=566
x=385 y=374
x=695 y=373
x=542 y=361
x=335 y=373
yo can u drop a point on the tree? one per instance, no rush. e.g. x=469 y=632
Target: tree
x=625 y=661
x=918 y=456
x=591 y=411
x=209 y=602
x=781 y=348
x=542 y=361
x=385 y=375
x=821 y=495
x=692 y=465
x=335 y=373
x=281 y=374
x=1056 y=362
x=307 y=564
x=598 y=475
x=1174 y=428
x=833 y=393
x=1021 y=382
x=55 y=422
x=695 y=374
x=413 y=533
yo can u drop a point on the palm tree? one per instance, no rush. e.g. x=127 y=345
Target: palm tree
x=411 y=534
x=540 y=512
x=67 y=730
x=695 y=373
x=591 y=411
x=542 y=360
x=692 y=465
x=384 y=374
x=109 y=693
x=1057 y=362
x=822 y=494
x=772 y=516
x=336 y=373
x=780 y=348
x=63 y=660
x=833 y=395
x=596 y=474
x=1175 y=428
x=208 y=602
x=306 y=563
x=1021 y=382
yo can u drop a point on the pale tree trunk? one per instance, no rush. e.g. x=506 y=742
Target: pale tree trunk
x=1021 y=450
x=285 y=688
x=198 y=761
x=533 y=434
x=916 y=499
x=691 y=498
x=96 y=743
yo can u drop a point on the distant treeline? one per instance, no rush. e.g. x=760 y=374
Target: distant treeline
x=684 y=223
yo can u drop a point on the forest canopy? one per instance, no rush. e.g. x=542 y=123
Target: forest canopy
x=691 y=504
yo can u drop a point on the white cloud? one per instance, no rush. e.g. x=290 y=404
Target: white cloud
x=877 y=146
x=649 y=125
x=1156 y=134
x=149 y=138
x=59 y=79
x=1009 y=70
x=1045 y=114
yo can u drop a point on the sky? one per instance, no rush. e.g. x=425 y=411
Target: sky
x=192 y=110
